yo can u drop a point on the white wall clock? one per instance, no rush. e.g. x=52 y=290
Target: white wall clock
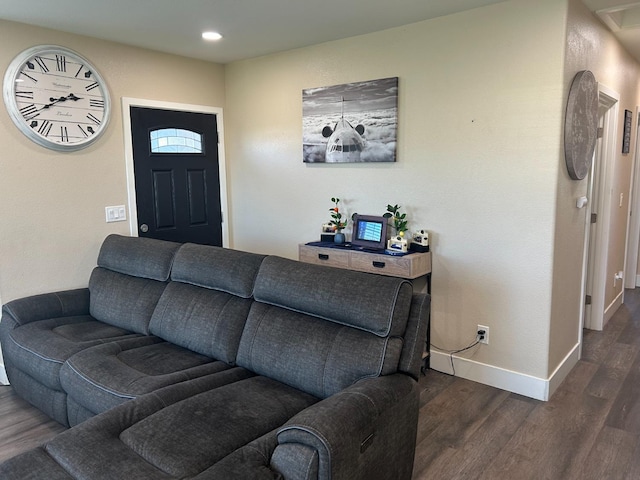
x=56 y=97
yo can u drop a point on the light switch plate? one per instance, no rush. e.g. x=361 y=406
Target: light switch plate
x=116 y=214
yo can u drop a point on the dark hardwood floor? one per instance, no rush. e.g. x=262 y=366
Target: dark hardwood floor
x=590 y=429
x=22 y=426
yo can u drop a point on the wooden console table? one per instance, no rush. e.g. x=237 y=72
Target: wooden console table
x=410 y=266
x=414 y=266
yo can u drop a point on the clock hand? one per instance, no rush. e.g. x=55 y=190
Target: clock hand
x=54 y=101
x=71 y=96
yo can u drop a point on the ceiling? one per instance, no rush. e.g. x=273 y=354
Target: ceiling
x=253 y=28
x=250 y=28
x=623 y=18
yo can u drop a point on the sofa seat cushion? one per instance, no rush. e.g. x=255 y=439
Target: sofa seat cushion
x=33 y=464
x=93 y=450
x=105 y=376
x=216 y=423
x=248 y=462
x=40 y=348
x=181 y=431
x=252 y=461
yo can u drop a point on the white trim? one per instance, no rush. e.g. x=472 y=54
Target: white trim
x=633 y=231
x=516 y=382
x=563 y=369
x=128 y=102
x=613 y=306
x=4 y=380
x=637 y=280
x=608 y=99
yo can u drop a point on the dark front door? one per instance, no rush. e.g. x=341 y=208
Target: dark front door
x=175 y=161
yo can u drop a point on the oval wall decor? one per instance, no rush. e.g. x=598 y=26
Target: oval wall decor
x=581 y=124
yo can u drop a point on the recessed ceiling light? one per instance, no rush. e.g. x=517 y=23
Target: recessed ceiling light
x=211 y=36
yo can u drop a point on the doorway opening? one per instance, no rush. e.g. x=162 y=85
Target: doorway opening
x=598 y=218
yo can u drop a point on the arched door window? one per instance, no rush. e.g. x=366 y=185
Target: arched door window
x=175 y=140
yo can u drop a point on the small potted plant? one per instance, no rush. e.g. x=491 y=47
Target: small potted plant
x=337 y=221
x=399 y=219
x=397 y=243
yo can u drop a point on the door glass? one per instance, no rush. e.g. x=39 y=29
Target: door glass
x=175 y=140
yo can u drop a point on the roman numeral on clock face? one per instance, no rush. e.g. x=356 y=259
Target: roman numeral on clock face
x=41 y=64
x=28 y=110
x=61 y=63
x=88 y=131
x=24 y=94
x=96 y=103
x=34 y=80
x=64 y=136
x=93 y=118
x=91 y=86
x=45 y=128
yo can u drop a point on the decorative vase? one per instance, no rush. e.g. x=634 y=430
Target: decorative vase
x=338 y=238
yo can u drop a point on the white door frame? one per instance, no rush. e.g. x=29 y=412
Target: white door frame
x=127 y=103
x=609 y=100
x=633 y=235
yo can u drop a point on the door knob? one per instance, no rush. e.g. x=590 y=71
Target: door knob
x=144 y=228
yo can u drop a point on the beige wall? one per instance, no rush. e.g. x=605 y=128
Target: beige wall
x=481 y=102
x=52 y=214
x=591 y=46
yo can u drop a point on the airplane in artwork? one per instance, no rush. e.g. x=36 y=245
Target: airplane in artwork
x=345 y=142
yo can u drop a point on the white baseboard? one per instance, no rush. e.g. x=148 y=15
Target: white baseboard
x=637 y=280
x=516 y=382
x=3 y=375
x=612 y=308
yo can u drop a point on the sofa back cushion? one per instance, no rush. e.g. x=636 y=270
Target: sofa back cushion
x=205 y=321
x=321 y=329
x=205 y=306
x=217 y=268
x=138 y=256
x=372 y=303
x=130 y=277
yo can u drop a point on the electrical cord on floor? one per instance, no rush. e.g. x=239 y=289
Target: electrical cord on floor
x=451 y=352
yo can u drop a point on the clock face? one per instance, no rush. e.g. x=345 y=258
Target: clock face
x=56 y=98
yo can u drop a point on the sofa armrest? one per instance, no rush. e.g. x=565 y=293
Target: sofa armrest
x=365 y=431
x=415 y=335
x=49 y=305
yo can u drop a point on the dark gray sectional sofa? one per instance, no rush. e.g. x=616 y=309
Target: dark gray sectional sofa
x=190 y=361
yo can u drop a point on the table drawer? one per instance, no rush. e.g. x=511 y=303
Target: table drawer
x=382 y=264
x=324 y=256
